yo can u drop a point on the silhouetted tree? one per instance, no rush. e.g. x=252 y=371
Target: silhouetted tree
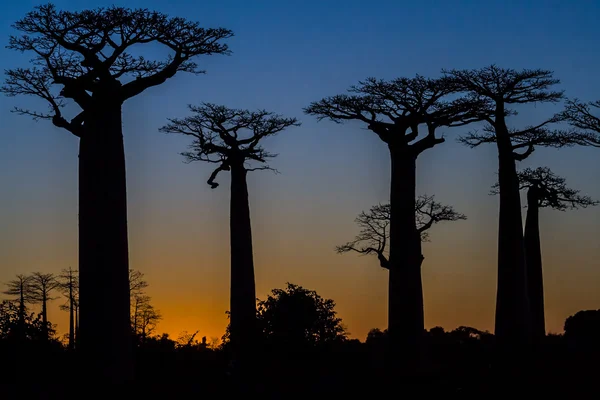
x=544 y=189
x=394 y=110
x=504 y=88
x=374 y=227
x=583 y=329
x=218 y=137
x=146 y=317
x=20 y=290
x=13 y=325
x=296 y=317
x=89 y=55
x=41 y=287
x=137 y=296
x=581 y=116
x=69 y=287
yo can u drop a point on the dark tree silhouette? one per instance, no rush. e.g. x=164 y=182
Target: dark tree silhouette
x=218 y=137
x=41 y=287
x=69 y=287
x=582 y=329
x=374 y=227
x=146 y=319
x=137 y=296
x=544 y=190
x=503 y=88
x=581 y=116
x=394 y=110
x=20 y=290
x=16 y=324
x=89 y=55
x=296 y=317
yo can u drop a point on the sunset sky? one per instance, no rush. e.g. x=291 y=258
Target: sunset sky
x=286 y=54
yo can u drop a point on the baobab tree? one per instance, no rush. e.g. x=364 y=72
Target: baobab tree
x=69 y=287
x=544 y=190
x=394 y=110
x=41 y=287
x=375 y=227
x=231 y=138
x=582 y=116
x=88 y=58
x=20 y=291
x=505 y=88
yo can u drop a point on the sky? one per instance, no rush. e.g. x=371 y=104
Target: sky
x=286 y=54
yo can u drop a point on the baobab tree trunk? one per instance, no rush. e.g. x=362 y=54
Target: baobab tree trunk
x=512 y=325
x=405 y=304
x=103 y=246
x=535 y=279
x=242 y=291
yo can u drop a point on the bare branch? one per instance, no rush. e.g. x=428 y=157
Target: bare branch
x=580 y=115
x=394 y=109
x=550 y=190
x=374 y=226
x=230 y=137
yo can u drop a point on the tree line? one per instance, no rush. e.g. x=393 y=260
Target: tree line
x=40 y=289
x=86 y=59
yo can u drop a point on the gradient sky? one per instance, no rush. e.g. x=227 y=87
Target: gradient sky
x=285 y=55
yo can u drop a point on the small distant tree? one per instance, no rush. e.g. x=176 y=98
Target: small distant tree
x=374 y=227
x=503 y=88
x=296 y=317
x=69 y=287
x=137 y=296
x=91 y=60
x=232 y=139
x=20 y=291
x=41 y=288
x=544 y=190
x=147 y=320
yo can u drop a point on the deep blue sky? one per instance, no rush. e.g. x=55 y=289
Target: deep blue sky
x=285 y=55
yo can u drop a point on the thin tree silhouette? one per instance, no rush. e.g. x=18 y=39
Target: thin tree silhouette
x=581 y=116
x=231 y=138
x=89 y=56
x=69 y=287
x=375 y=233
x=394 y=110
x=503 y=88
x=41 y=287
x=20 y=290
x=544 y=190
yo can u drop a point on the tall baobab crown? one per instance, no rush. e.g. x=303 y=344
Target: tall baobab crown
x=228 y=137
x=394 y=109
x=85 y=54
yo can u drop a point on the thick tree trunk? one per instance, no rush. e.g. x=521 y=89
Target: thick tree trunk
x=512 y=327
x=104 y=334
x=535 y=279
x=242 y=291
x=405 y=309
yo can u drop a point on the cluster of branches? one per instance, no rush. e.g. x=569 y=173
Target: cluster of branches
x=80 y=54
x=227 y=136
x=374 y=226
x=144 y=317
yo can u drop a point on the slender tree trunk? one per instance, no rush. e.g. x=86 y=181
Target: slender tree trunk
x=405 y=308
x=103 y=245
x=71 y=315
x=45 y=314
x=76 y=326
x=21 y=334
x=242 y=291
x=535 y=279
x=512 y=327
